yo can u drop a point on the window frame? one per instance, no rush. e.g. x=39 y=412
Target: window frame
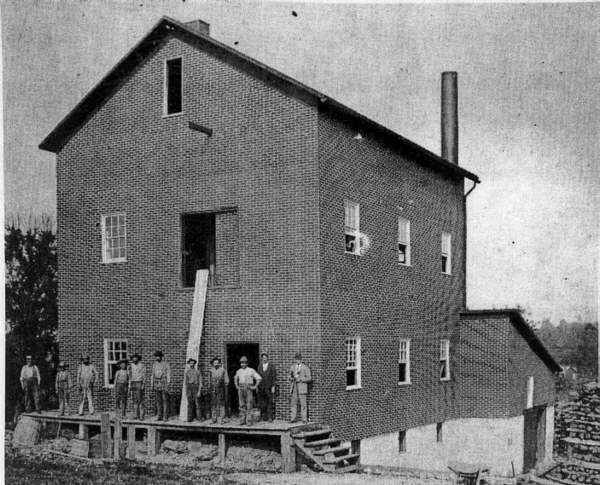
x=402 y=448
x=405 y=242
x=406 y=361
x=108 y=362
x=439 y=432
x=357 y=362
x=166 y=113
x=447 y=252
x=352 y=231
x=105 y=238
x=445 y=357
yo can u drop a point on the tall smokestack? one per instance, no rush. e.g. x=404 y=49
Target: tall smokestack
x=450 y=116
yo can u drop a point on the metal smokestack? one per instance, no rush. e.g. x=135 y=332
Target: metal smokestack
x=450 y=116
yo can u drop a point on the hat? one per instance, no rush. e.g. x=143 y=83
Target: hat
x=139 y=357
x=264 y=354
x=190 y=360
x=28 y=357
x=298 y=356
x=244 y=359
x=122 y=361
x=215 y=358
x=62 y=364
x=158 y=353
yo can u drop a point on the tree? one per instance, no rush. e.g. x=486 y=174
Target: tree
x=31 y=291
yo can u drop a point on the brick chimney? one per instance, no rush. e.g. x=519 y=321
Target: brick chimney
x=450 y=117
x=199 y=26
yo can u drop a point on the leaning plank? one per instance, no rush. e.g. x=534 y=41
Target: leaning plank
x=117 y=437
x=105 y=435
x=193 y=345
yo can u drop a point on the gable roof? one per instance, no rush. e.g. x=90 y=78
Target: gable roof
x=516 y=318
x=166 y=26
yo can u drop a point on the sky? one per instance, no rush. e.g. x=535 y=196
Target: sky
x=528 y=80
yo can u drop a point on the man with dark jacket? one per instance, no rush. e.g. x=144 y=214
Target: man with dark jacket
x=266 y=387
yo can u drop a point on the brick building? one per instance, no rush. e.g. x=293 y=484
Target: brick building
x=323 y=231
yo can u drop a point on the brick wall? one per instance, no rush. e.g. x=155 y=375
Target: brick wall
x=261 y=161
x=373 y=297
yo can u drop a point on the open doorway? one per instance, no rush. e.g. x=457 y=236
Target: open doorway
x=198 y=247
x=234 y=352
x=534 y=437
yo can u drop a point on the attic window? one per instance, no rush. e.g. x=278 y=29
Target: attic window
x=173 y=87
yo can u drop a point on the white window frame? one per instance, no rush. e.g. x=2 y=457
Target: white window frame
x=108 y=258
x=530 y=390
x=445 y=358
x=447 y=252
x=404 y=358
x=353 y=364
x=352 y=225
x=404 y=239
x=166 y=113
x=112 y=356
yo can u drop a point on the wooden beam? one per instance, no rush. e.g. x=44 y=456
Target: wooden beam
x=131 y=447
x=118 y=437
x=84 y=431
x=153 y=441
x=288 y=453
x=105 y=435
x=222 y=448
x=200 y=128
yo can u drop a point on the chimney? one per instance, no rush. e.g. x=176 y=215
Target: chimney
x=199 y=26
x=450 y=117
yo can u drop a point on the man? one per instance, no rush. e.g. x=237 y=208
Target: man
x=86 y=378
x=193 y=384
x=30 y=383
x=218 y=380
x=121 y=387
x=63 y=386
x=159 y=383
x=137 y=373
x=266 y=387
x=246 y=380
x=299 y=377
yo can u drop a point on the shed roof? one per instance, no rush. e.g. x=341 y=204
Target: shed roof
x=516 y=318
x=166 y=26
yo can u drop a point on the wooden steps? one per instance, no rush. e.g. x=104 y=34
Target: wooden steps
x=325 y=452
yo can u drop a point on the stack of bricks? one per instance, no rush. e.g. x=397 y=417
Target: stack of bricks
x=582 y=445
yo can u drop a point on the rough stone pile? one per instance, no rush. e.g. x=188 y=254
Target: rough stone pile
x=578 y=439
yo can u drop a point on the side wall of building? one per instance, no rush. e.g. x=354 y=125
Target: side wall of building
x=258 y=170
x=377 y=299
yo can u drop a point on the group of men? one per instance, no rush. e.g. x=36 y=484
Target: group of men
x=129 y=378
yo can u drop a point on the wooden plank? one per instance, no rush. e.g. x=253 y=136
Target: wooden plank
x=288 y=453
x=84 y=431
x=80 y=448
x=131 y=446
x=222 y=448
x=153 y=441
x=196 y=323
x=117 y=437
x=105 y=434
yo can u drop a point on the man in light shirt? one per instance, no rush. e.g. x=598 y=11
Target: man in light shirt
x=30 y=383
x=159 y=383
x=137 y=373
x=86 y=378
x=299 y=377
x=246 y=380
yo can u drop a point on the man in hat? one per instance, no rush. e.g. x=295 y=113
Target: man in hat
x=193 y=384
x=266 y=387
x=137 y=373
x=86 y=378
x=218 y=380
x=30 y=383
x=159 y=383
x=121 y=387
x=246 y=380
x=63 y=386
x=299 y=377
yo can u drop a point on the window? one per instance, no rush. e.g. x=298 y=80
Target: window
x=352 y=227
x=114 y=238
x=114 y=351
x=198 y=247
x=353 y=363
x=529 y=392
x=404 y=241
x=404 y=362
x=438 y=432
x=173 y=87
x=446 y=253
x=402 y=441
x=445 y=360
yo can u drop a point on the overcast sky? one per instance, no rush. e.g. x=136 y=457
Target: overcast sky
x=529 y=86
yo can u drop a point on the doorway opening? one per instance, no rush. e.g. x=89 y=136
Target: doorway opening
x=534 y=437
x=198 y=247
x=234 y=353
